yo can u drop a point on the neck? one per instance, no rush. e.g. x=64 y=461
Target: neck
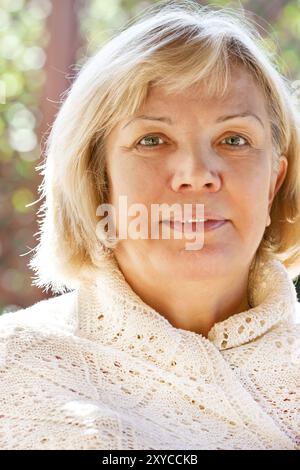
x=188 y=305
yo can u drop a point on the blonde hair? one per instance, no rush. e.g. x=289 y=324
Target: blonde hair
x=176 y=45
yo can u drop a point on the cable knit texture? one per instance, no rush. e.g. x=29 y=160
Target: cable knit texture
x=97 y=368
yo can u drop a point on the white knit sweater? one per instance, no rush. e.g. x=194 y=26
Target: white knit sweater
x=97 y=368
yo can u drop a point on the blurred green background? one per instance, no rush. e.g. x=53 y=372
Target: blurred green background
x=42 y=43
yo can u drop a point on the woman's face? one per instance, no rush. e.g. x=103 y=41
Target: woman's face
x=212 y=151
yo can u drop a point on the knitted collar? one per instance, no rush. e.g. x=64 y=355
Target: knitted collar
x=109 y=310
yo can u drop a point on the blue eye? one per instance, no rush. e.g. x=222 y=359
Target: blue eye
x=233 y=137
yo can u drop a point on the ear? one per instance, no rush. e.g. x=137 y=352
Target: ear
x=277 y=179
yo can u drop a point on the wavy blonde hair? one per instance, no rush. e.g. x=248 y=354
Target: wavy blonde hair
x=176 y=45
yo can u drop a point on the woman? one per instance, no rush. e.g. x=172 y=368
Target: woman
x=150 y=344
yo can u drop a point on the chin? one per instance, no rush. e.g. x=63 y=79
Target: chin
x=204 y=263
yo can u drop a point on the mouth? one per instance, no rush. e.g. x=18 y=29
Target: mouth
x=195 y=225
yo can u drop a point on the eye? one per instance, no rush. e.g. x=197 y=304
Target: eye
x=236 y=138
x=150 y=141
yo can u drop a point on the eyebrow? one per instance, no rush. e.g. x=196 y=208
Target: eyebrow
x=149 y=118
x=244 y=114
x=170 y=122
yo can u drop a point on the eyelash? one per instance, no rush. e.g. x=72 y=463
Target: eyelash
x=150 y=147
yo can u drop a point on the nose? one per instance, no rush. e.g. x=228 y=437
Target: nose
x=196 y=171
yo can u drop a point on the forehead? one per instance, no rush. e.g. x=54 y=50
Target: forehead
x=243 y=92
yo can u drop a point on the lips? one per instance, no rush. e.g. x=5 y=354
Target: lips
x=195 y=219
x=194 y=216
x=192 y=227
x=191 y=215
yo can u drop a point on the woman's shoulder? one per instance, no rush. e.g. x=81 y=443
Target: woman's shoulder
x=45 y=315
x=284 y=336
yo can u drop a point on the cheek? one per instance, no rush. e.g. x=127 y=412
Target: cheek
x=140 y=180
x=249 y=194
